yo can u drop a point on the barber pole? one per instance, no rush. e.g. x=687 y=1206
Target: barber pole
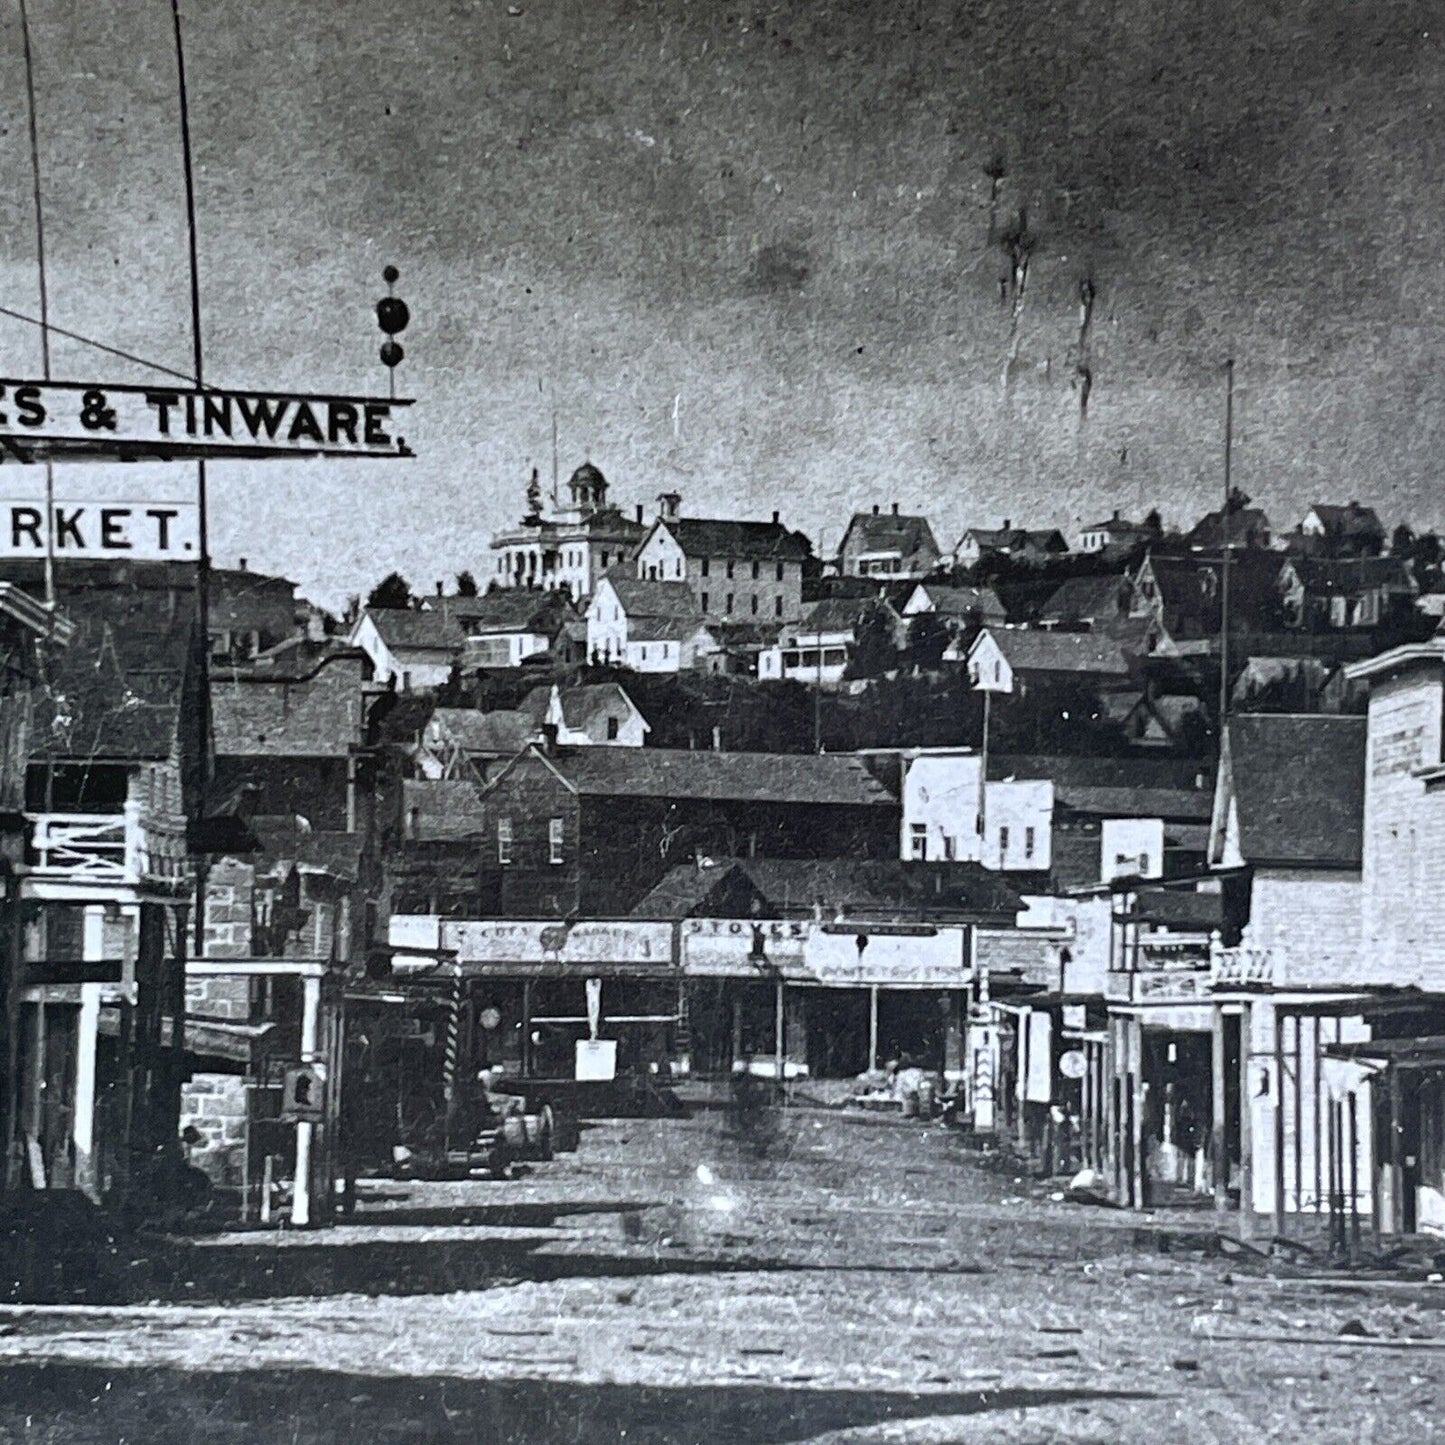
x=454 y=1030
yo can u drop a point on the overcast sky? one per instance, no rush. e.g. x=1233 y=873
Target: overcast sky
x=744 y=251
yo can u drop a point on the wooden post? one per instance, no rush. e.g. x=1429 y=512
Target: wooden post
x=737 y=1012
x=1112 y=1070
x=872 y=1027
x=305 y=1131
x=1397 y=1151
x=1279 y=1200
x=1246 y=1129
x=779 y=1028
x=1136 y=1122
x=1299 y=1119
x=1351 y=1107
x=1318 y=1132
x=1218 y=1152
x=82 y=1133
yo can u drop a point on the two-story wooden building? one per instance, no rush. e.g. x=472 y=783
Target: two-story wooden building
x=738 y=571
x=586 y=832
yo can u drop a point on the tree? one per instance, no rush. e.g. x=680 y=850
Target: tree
x=876 y=649
x=1425 y=552
x=1402 y=541
x=392 y=591
x=1153 y=522
x=1237 y=500
x=928 y=639
x=466 y=585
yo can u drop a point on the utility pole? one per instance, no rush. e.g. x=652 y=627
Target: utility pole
x=1224 y=549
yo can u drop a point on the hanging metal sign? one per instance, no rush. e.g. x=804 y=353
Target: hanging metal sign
x=94 y=421
x=141 y=531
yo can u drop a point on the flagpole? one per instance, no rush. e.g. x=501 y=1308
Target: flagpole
x=44 y=296
x=1224 y=548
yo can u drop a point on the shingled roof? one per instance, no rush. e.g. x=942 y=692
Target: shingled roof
x=405 y=629
x=1083 y=653
x=875 y=531
x=117 y=691
x=314 y=714
x=816 y=778
x=856 y=888
x=1297 y=783
x=643 y=597
x=748 y=541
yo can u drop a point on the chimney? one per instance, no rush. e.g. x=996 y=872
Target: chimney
x=439 y=589
x=775 y=519
x=1008 y=524
x=639 y=511
x=549 y=738
x=875 y=509
x=895 y=509
x=243 y=564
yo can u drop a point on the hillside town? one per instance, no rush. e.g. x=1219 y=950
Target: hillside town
x=1129 y=873
x=721 y=726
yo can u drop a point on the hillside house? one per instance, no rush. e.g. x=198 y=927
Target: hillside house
x=1009 y=659
x=409 y=649
x=887 y=545
x=645 y=625
x=957 y=606
x=1247 y=528
x=1009 y=541
x=598 y=714
x=1348 y=531
x=738 y=571
x=1325 y=594
x=1116 y=532
x=819 y=646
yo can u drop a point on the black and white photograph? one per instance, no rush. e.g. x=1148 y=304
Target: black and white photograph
x=722 y=722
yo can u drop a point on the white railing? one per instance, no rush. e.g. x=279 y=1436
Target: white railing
x=1240 y=967
x=110 y=848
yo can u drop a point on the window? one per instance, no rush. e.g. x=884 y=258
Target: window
x=604 y=561
x=677 y=567
x=918 y=840
x=703 y=567
x=777 y=606
x=756 y=571
x=755 y=604
x=1003 y=840
x=730 y=571
x=780 y=571
x=554 y=841
x=504 y=840
x=729 y=608
x=704 y=601
x=1028 y=842
x=948 y=848
x=614 y=729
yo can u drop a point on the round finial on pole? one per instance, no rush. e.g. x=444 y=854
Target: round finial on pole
x=390 y=275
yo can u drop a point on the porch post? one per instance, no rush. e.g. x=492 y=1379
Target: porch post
x=82 y=1133
x=1397 y=1149
x=305 y=1131
x=1246 y=1128
x=1139 y=1185
x=1279 y=1199
x=1218 y=1150
x=872 y=1027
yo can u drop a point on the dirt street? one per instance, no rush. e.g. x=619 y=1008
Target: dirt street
x=833 y=1280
